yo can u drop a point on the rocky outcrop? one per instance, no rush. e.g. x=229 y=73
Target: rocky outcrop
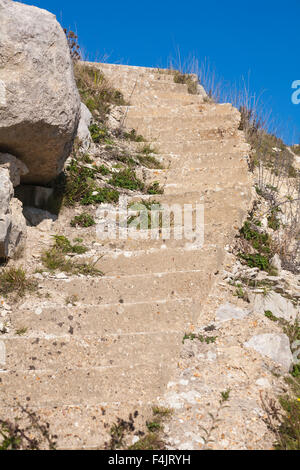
x=274 y=346
x=39 y=101
x=279 y=306
x=12 y=222
x=230 y=312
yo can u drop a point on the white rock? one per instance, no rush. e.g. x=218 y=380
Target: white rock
x=18 y=233
x=274 y=346
x=2 y=353
x=61 y=276
x=83 y=132
x=262 y=382
x=45 y=225
x=230 y=312
x=38 y=276
x=275 y=303
x=276 y=262
x=211 y=356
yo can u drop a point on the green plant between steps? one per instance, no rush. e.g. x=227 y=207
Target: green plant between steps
x=95 y=91
x=55 y=258
x=127 y=179
x=83 y=220
x=199 y=337
x=15 y=282
x=186 y=79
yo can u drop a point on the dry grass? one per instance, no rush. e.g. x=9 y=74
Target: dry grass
x=57 y=259
x=96 y=91
x=15 y=282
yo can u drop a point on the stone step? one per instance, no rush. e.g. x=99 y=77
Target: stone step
x=198 y=162
x=162 y=97
x=203 y=131
x=135 y=288
x=151 y=260
x=193 y=114
x=192 y=237
x=55 y=318
x=196 y=146
x=94 y=351
x=88 y=386
x=68 y=421
x=143 y=73
x=196 y=176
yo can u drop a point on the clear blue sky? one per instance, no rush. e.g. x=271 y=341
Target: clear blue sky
x=237 y=37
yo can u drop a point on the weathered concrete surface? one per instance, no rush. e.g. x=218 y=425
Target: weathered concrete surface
x=113 y=350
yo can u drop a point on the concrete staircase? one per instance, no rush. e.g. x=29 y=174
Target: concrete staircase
x=115 y=351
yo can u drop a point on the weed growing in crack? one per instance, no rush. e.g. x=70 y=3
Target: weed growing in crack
x=186 y=79
x=133 y=136
x=95 y=91
x=127 y=179
x=215 y=420
x=122 y=431
x=55 y=258
x=119 y=431
x=15 y=282
x=152 y=439
x=155 y=188
x=201 y=338
x=283 y=417
x=83 y=220
x=21 y=331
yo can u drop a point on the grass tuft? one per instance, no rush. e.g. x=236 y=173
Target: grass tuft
x=83 y=220
x=14 y=281
x=127 y=179
x=95 y=91
x=55 y=258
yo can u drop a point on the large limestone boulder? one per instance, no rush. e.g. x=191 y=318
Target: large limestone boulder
x=39 y=100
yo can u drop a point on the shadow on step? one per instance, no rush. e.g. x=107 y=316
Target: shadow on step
x=41 y=202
